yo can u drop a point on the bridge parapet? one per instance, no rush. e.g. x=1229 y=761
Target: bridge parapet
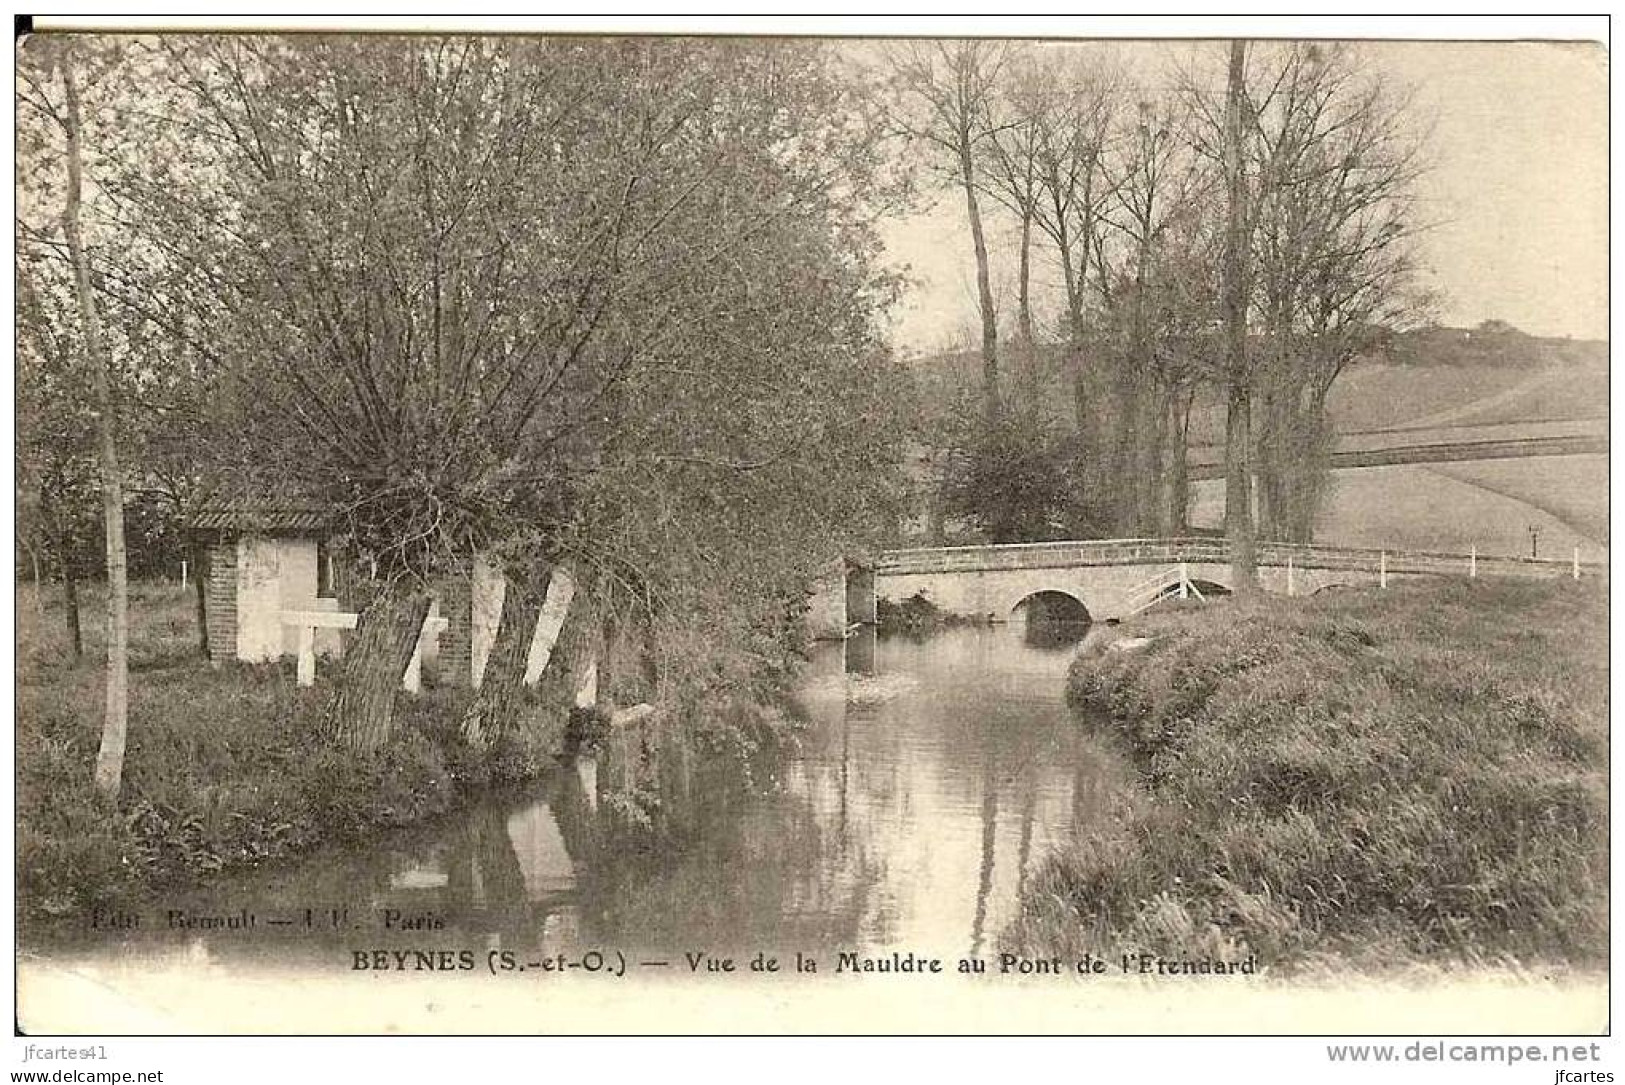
x=1200 y=550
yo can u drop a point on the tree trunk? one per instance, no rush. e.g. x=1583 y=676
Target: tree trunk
x=1024 y=315
x=109 y=773
x=70 y=603
x=1265 y=456
x=1153 y=471
x=495 y=708
x=1179 y=478
x=1080 y=396
x=1074 y=290
x=571 y=654
x=984 y=284
x=361 y=714
x=1238 y=511
x=1125 y=447
x=1169 y=450
x=39 y=584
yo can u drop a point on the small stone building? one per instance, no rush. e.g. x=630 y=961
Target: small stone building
x=261 y=556
x=266 y=554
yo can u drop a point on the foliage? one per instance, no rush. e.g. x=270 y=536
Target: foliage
x=1376 y=775
x=914 y=615
x=1012 y=483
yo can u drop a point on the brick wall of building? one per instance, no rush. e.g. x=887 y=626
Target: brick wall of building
x=220 y=601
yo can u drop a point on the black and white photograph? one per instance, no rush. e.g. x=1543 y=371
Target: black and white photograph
x=729 y=531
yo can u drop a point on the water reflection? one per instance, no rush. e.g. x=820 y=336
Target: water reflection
x=928 y=780
x=858 y=650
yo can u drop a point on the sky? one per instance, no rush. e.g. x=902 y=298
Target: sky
x=1516 y=193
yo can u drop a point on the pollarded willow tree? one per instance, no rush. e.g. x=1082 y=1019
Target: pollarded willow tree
x=514 y=296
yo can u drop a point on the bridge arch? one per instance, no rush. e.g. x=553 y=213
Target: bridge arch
x=1052 y=605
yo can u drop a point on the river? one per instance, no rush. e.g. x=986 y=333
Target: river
x=930 y=779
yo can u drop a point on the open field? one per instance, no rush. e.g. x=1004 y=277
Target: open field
x=1381 y=396
x=1572 y=488
x=1372 y=778
x=1387 y=396
x=1490 y=504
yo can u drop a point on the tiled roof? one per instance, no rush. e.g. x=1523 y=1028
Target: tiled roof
x=278 y=512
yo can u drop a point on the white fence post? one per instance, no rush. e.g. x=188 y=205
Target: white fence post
x=1291 y=582
x=1184 y=581
x=1576 y=567
x=1472 y=563
x=183 y=574
x=1382 y=570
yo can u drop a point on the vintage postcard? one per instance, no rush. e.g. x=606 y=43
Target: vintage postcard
x=660 y=533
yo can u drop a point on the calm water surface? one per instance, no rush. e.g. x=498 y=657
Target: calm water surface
x=930 y=782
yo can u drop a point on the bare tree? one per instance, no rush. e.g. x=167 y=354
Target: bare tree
x=1073 y=128
x=947 y=91
x=1333 y=232
x=1011 y=169
x=1152 y=182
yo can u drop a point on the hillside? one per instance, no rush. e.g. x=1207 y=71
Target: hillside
x=1428 y=377
x=1441 y=379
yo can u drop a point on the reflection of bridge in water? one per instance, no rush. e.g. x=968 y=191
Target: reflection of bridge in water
x=1114 y=579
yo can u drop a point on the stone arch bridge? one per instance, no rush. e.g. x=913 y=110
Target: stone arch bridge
x=1115 y=579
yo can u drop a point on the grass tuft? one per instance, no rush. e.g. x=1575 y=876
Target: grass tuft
x=1391 y=776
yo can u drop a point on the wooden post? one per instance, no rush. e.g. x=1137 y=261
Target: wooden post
x=183 y=575
x=307 y=622
x=1382 y=570
x=1472 y=563
x=1576 y=567
x=307 y=655
x=1184 y=581
x=1291 y=582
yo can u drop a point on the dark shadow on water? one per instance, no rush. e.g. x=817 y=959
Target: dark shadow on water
x=1052 y=619
x=1052 y=635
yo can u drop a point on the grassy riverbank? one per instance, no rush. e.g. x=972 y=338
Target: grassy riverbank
x=223 y=767
x=1368 y=779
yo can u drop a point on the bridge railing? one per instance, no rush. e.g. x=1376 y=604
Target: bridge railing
x=1198 y=550
x=1051 y=554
